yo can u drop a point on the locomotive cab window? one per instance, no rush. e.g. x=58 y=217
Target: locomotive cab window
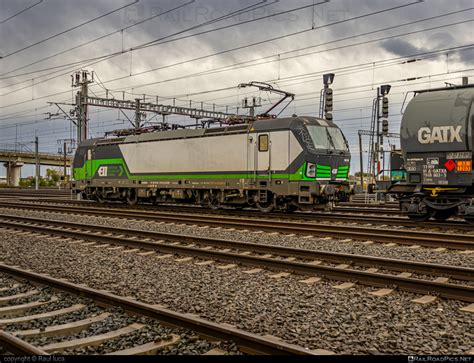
x=263 y=143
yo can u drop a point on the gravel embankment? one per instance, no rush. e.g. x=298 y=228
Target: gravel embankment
x=315 y=316
x=188 y=344
x=428 y=255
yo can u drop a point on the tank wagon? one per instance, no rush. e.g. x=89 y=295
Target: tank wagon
x=282 y=163
x=437 y=141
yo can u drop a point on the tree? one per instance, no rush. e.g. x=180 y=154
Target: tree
x=52 y=177
x=357 y=174
x=27 y=182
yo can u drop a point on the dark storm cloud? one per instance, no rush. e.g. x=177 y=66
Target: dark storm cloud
x=443 y=40
x=467 y=56
x=400 y=47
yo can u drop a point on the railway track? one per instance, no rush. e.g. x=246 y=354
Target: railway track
x=103 y=307
x=307 y=262
x=345 y=208
x=367 y=210
x=388 y=205
x=154 y=213
x=363 y=233
x=41 y=193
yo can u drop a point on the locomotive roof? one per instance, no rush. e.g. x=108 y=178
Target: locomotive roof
x=444 y=88
x=289 y=122
x=283 y=123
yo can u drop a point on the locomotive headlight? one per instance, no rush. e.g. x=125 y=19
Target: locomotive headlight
x=311 y=170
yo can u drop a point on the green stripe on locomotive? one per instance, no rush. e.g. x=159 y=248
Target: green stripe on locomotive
x=91 y=167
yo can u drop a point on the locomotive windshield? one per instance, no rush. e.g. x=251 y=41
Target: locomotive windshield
x=327 y=138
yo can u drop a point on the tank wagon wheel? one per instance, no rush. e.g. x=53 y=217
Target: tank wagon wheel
x=132 y=197
x=442 y=215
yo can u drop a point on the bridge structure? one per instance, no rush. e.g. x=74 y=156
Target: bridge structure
x=13 y=161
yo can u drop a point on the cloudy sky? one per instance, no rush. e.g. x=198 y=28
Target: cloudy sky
x=189 y=50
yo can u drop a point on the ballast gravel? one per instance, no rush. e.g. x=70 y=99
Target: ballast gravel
x=428 y=255
x=315 y=316
x=152 y=331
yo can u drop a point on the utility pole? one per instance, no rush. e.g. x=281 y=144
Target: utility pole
x=9 y=172
x=37 y=163
x=65 y=154
x=137 y=114
x=361 y=161
x=65 y=147
x=81 y=79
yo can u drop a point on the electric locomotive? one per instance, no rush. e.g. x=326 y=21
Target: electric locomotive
x=283 y=163
x=437 y=143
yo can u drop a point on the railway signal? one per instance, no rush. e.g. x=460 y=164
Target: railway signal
x=325 y=99
x=385 y=127
x=378 y=129
x=328 y=106
x=385 y=107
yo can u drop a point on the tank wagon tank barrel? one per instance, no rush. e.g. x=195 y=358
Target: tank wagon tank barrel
x=437 y=143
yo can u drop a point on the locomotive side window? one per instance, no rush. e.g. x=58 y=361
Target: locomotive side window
x=263 y=143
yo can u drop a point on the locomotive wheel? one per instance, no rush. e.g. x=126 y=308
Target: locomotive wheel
x=132 y=198
x=265 y=207
x=290 y=208
x=214 y=202
x=100 y=199
x=442 y=215
x=421 y=217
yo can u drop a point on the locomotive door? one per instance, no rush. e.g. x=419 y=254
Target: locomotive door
x=88 y=162
x=263 y=155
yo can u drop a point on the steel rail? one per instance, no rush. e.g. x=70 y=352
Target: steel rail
x=456 y=272
x=342 y=209
x=17 y=346
x=460 y=292
x=154 y=214
x=390 y=205
x=406 y=237
x=249 y=342
x=336 y=214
